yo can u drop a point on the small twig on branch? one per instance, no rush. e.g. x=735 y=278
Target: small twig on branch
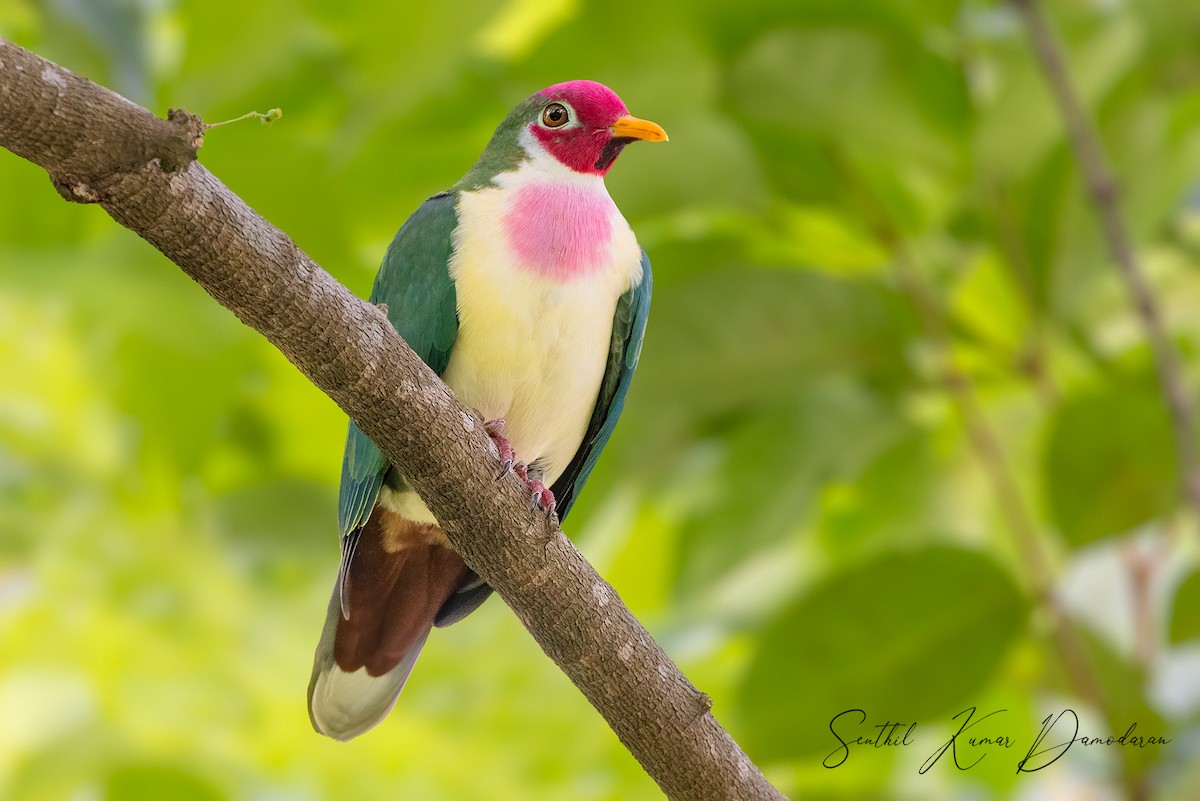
x=265 y=119
x=100 y=148
x=1105 y=197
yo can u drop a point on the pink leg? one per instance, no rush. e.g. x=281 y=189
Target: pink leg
x=504 y=448
x=540 y=493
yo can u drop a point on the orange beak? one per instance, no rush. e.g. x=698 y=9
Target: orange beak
x=634 y=128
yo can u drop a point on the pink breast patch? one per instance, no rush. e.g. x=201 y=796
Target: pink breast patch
x=560 y=232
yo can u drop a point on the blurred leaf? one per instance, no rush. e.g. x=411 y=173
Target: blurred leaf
x=784 y=79
x=1108 y=464
x=739 y=337
x=180 y=408
x=168 y=482
x=765 y=483
x=1185 y=610
x=281 y=514
x=1032 y=221
x=934 y=621
x=892 y=501
x=153 y=782
x=1105 y=47
x=521 y=25
x=985 y=302
x=820 y=239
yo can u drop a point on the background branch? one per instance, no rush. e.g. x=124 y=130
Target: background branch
x=986 y=445
x=100 y=148
x=1105 y=197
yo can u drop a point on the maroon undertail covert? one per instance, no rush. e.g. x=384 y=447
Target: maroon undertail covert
x=393 y=596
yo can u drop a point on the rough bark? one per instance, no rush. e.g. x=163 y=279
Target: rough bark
x=100 y=148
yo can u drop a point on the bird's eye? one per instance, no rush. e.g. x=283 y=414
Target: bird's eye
x=555 y=115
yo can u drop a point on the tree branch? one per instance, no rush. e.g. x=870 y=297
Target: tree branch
x=100 y=148
x=1105 y=197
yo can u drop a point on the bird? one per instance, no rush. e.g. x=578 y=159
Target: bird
x=524 y=288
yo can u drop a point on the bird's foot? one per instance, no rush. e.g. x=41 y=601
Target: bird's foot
x=541 y=496
x=504 y=448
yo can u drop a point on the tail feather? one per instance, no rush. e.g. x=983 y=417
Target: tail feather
x=465 y=600
x=342 y=704
x=390 y=587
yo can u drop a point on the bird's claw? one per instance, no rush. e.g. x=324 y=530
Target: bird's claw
x=504 y=448
x=541 y=496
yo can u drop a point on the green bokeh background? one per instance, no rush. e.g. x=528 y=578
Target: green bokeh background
x=795 y=503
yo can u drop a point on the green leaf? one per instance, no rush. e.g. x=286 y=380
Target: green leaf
x=817 y=238
x=904 y=636
x=893 y=501
x=770 y=471
x=151 y=781
x=1185 y=616
x=1016 y=90
x=740 y=337
x=1109 y=463
x=281 y=515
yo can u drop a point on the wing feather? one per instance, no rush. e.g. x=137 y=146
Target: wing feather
x=414 y=282
x=629 y=329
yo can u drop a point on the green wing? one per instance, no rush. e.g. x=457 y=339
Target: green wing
x=629 y=328
x=414 y=282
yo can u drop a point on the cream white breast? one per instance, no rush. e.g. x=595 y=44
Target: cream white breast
x=539 y=262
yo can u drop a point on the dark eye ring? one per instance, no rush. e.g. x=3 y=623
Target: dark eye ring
x=555 y=115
